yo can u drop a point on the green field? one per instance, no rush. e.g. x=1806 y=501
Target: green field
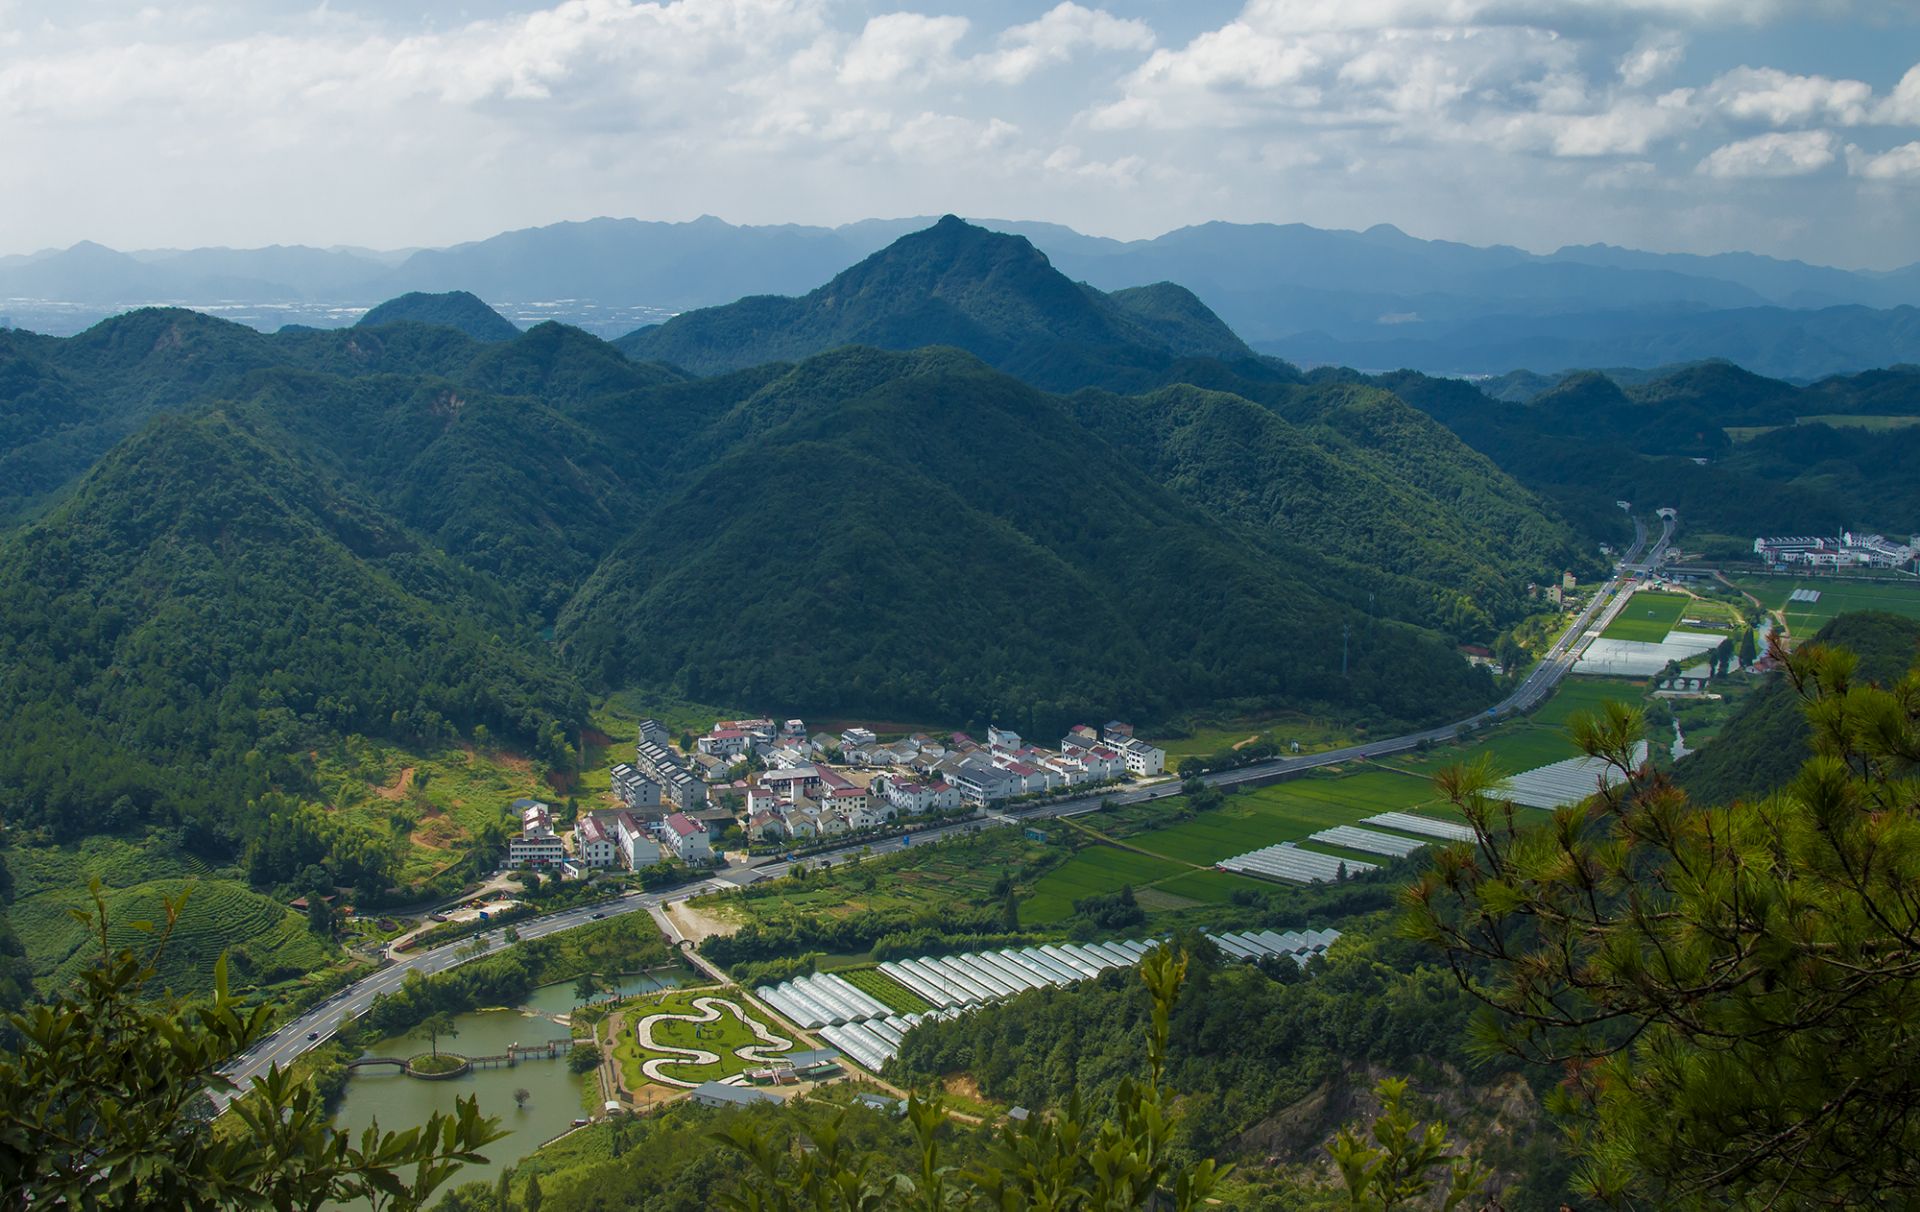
x=915 y=879
x=1648 y=616
x=1204 y=736
x=269 y=943
x=1179 y=874
x=885 y=990
x=1838 y=595
x=1092 y=872
x=1584 y=694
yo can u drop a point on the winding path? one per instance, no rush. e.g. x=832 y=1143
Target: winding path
x=708 y=1011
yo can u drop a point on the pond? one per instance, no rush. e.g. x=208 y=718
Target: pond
x=555 y=1095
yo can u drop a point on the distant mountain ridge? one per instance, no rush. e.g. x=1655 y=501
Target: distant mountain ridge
x=992 y=294
x=1377 y=298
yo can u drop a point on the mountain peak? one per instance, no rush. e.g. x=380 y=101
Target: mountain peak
x=454 y=309
x=991 y=293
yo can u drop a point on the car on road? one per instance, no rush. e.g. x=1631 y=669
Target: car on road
x=312 y=1035
x=598 y=916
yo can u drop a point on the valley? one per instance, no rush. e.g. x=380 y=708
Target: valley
x=435 y=661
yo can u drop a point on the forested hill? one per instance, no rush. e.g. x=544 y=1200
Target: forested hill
x=942 y=539
x=993 y=295
x=175 y=636
x=1354 y=472
x=1737 y=454
x=1764 y=746
x=231 y=552
x=456 y=309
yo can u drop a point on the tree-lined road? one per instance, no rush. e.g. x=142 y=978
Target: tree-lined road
x=290 y=1041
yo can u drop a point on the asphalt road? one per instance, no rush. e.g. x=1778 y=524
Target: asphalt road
x=320 y=1022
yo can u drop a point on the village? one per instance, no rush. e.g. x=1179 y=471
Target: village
x=770 y=785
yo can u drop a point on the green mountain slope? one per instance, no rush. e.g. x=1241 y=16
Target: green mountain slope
x=456 y=309
x=1589 y=439
x=947 y=540
x=174 y=636
x=1764 y=746
x=1362 y=477
x=993 y=295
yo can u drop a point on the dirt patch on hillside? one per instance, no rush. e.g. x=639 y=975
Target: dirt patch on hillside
x=398 y=788
x=963 y=1085
x=698 y=923
x=439 y=832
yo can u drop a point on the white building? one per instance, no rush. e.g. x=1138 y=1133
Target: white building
x=637 y=847
x=1103 y=763
x=595 y=843
x=688 y=838
x=723 y=743
x=1143 y=759
x=634 y=789
x=537 y=845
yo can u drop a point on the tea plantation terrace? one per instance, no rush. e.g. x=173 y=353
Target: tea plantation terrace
x=869 y=1030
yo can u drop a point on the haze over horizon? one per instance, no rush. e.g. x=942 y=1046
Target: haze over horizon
x=1788 y=127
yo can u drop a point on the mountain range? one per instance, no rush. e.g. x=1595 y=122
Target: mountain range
x=949 y=483
x=1375 y=298
x=230 y=550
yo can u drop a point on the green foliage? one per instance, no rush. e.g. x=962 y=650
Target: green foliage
x=1356 y=474
x=435 y=1027
x=455 y=309
x=1767 y=741
x=584 y=1057
x=505 y=978
x=102 y=1105
x=1728 y=989
x=1588 y=441
x=1397 y=1167
x=1112 y=911
x=1139 y=601
x=202 y=610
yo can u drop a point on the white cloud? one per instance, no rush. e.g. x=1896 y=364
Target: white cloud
x=1318 y=16
x=895 y=44
x=1778 y=98
x=1899 y=164
x=1654 y=58
x=1775 y=154
x=1071 y=161
x=1057 y=36
x=1903 y=106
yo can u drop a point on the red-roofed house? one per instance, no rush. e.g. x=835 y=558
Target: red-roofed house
x=688 y=838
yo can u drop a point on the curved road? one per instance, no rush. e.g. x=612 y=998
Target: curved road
x=321 y=1021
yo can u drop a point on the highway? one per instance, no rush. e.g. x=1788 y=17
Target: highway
x=287 y=1043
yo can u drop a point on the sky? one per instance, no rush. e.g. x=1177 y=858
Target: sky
x=1789 y=127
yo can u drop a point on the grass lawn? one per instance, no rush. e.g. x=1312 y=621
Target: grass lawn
x=1648 y=616
x=722 y=1037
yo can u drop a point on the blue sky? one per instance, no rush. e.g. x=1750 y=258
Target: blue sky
x=1790 y=127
